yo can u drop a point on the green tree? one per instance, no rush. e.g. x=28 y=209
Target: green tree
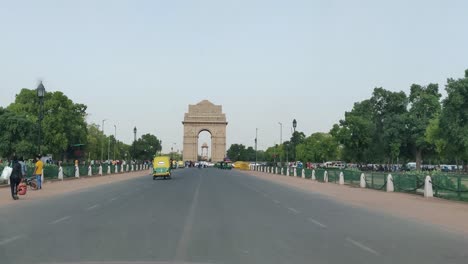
x=236 y=152
x=390 y=119
x=17 y=135
x=318 y=147
x=296 y=139
x=453 y=120
x=434 y=137
x=96 y=143
x=425 y=105
x=356 y=133
x=272 y=154
x=64 y=121
x=145 y=147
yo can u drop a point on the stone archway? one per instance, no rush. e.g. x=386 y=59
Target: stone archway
x=204 y=116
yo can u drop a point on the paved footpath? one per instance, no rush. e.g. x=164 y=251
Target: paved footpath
x=214 y=216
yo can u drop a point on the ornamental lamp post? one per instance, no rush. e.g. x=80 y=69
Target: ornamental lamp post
x=134 y=141
x=40 y=94
x=294 y=143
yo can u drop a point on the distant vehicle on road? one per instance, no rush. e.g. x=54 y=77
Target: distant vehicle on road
x=180 y=164
x=162 y=167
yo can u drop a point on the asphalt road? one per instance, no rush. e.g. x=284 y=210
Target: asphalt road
x=214 y=216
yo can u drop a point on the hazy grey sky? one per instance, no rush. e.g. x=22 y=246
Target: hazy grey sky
x=140 y=63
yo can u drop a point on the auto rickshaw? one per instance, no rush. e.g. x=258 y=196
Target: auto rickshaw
x=180 y=164
x=161 y=167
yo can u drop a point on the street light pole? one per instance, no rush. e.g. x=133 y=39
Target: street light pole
x=40 y=94
x=115 y=139
x=294 y=143
x=102 y=143
x=256 y=137
x=281 y=137
x=134 y=141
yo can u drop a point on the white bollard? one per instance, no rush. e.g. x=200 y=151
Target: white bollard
x=325 y=176
x=77 y=172
x=90 y=171
x=122 y=168
x=100 y=170
x=281 y=171
x=295 y=172
x=363 y=181
x=127 y=167
x=108 y=169
x=303 y=174
x=60 y=173
x=341 y=181
x=287 y=171
x=428 y=192
x=276 y=170
x=313 y=176
x=132 y=167
x=390 y=183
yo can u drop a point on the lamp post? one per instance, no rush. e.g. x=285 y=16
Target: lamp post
x=172 y=150
x=40 y=94
x=102 y=143
x=256 y=137
x=134 y=141
x=115 y=139
x=281 y=137
x=294 y=142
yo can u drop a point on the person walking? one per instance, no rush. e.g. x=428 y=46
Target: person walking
x=15 y=178
x=38 y=171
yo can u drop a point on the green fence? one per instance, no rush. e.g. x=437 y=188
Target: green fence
x=445 y=185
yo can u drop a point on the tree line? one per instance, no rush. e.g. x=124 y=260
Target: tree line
x=65 y=134
x=391 y=127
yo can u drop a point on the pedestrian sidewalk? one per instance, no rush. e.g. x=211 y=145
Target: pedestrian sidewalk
x=450 y=215
x=51 y=188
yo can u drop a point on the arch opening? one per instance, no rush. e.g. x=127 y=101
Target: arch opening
x=204 y=145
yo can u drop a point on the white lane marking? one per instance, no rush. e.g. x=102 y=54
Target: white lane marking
x=276 y=201
x=183 y=243
x=112 y=199
x=92 y=207
x=60 y=220
x=293 y=210
x=362 y=246
x=317 y=222
x=11 y=239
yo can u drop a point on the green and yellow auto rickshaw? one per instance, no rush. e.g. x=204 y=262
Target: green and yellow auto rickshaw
x=161 y=167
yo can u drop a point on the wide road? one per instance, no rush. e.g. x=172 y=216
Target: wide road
x=214 y=216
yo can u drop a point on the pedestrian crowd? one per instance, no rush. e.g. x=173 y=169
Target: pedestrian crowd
x=16 y=172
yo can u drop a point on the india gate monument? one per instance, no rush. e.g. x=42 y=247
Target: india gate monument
x=204 y=116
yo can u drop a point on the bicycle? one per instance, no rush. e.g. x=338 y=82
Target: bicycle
x=31 y=183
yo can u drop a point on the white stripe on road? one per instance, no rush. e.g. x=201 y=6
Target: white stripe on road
x=293 y=210
x=317 y=222
x=59 y=220
x=362 y=246
x=92 y=207
x=8 y=240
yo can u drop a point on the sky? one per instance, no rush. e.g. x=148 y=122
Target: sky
x=141 y=63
